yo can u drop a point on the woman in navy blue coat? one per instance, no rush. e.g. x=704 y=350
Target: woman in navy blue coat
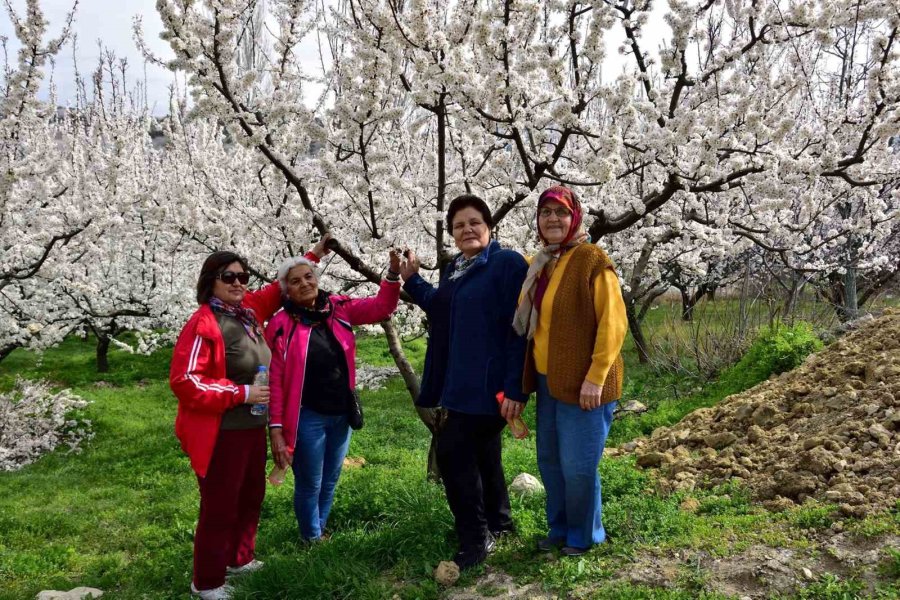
x=473 y=354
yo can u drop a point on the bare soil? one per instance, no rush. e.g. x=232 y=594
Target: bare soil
x=829 y=430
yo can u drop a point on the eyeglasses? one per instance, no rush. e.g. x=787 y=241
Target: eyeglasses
x=230 y=277
x=561 y=213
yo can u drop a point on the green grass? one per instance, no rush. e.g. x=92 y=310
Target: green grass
x=120 y=515
x=122 y=511
x=372 y=350
x=73 y=364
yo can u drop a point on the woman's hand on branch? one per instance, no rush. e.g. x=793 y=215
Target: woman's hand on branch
x=321 y=248
x=395 y=261
x=410 y=266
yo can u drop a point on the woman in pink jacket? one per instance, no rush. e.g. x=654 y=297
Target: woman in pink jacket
x=313 y=377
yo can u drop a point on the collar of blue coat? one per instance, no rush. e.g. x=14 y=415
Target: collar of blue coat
x=482 y=258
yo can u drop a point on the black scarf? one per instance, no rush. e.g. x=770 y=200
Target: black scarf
x=314 y=315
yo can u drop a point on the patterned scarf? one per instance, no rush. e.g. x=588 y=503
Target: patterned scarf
x=246 y=316
x=542 y=266
x=311 y=316
x=461 y=265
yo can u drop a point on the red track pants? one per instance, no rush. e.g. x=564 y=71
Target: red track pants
x=231 y=496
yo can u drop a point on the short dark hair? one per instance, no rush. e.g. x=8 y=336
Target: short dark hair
x=469 y=201
x=214 y=264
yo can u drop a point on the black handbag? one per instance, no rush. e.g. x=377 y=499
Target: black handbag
x=354 y=411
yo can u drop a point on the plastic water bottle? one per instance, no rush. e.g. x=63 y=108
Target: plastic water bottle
x=517 y=426
x=276 y=476
x=261 y=378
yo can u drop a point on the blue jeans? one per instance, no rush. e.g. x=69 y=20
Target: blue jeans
x=570 y=442
x=319 y=452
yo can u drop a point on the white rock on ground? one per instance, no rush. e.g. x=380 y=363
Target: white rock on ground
x=79 y=593
x=526 y=485
x=631 y=407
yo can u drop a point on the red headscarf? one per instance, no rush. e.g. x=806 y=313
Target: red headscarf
x=567 y=198
x=538 y=278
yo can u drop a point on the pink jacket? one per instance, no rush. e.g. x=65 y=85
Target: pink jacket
x=289 y=339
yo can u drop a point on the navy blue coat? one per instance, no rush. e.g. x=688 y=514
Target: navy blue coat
x=485 y=354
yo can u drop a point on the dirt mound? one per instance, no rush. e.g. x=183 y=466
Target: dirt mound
x=829 y=429
x=760 y=571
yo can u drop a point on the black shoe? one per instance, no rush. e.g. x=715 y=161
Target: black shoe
x=503 y=531
x=466 y=559
x=573 y=551
x=470 y=557
x=549 y=544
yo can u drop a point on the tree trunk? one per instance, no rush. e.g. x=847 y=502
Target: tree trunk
x=849 y=299
x=790 y=304
x=832 y=292
x=634 y=325
x=687 y=306
x=443 y=257
x=103 y=354
x=430 y=417
x=850 y=308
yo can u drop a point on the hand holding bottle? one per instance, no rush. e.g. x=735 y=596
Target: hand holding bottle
x=511 y=410
x=276 y=476
x=259 y=394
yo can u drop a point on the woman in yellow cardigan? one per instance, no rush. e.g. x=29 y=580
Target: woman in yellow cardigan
x=572 y=313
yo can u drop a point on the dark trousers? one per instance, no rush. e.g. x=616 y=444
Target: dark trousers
x=231 y=496
x=468 y=454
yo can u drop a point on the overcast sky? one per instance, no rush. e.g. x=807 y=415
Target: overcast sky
x=111 y=22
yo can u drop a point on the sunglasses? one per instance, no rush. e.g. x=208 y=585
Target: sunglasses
x=230 y=277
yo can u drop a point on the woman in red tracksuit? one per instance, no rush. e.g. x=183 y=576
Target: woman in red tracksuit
x=215 y=359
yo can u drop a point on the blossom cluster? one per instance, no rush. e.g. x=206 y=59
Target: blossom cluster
x=35 y=420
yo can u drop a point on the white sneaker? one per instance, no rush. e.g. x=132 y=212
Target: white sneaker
x=223 y=592
x=253 y=565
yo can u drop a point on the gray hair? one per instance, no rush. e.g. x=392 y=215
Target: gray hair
x=290 y=263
